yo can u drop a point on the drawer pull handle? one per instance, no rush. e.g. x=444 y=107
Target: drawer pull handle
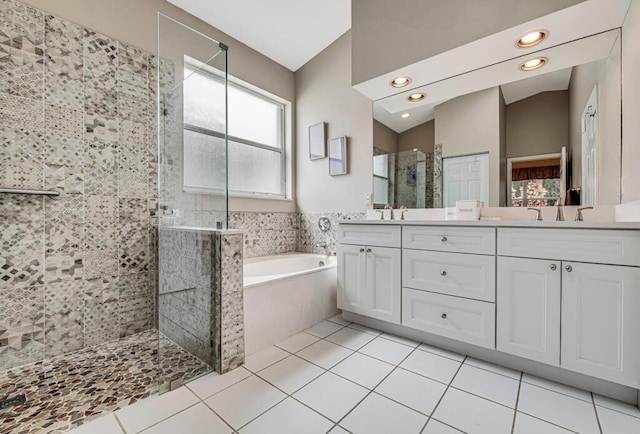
x=361 y=250
x=443 y=273
x=444 y=239
x=444 y=316
x=553 y=267
x=368 y=250
x=569 y=268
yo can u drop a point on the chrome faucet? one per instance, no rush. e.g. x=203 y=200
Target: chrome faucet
x=389 y=207
x=579 y=217
x=538 y=213
x=321 y=244
x=403 y=209
x=559 y=214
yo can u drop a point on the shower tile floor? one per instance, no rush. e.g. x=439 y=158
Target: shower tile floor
x=66 y=391
x=339 y=377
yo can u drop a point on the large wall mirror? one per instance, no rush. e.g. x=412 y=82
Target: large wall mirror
x=507 y=136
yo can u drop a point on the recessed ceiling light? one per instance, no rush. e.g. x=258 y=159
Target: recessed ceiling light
x=405 y=115
x=532 y=38
x=415 y=97
x=535 y=63
x=400 y=81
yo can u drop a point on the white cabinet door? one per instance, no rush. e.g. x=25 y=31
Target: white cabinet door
x=528 y=308
x=383 y=283
x=351 y=278
x=601 y=321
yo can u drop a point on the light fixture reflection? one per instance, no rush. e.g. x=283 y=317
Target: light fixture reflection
x=534 y=63
x=415 y=97
x=400 y=81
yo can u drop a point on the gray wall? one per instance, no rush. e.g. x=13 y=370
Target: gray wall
x=390 y=35
x=538 y=125
x=324 y=93
x=470 y=124
x=421 y=137
x=384 y=138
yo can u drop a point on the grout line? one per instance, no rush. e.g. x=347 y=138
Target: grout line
x=515 y=410
x=595 y=410
x=546 y=421
x=483 y=397
x=169 y=417
x=443 y=395
x=556 y=391
x=118 y=422
x=498 y=373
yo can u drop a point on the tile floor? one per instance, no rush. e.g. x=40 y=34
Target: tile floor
x=339 y=377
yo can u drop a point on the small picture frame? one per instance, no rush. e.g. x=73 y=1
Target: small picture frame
x=338 y=156
x=317 y=140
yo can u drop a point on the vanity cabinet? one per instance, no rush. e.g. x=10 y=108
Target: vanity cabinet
x=369 y=274
x=528 y=317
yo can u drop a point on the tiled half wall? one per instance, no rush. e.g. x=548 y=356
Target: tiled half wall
x=77 y=112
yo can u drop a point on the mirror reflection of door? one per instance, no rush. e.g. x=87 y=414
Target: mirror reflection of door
x=465 y=178
x=535 y=181
x=589 y=149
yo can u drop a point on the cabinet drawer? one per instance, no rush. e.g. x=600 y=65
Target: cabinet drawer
x=450 y=239
x=457 y=318
x=462 y=275
x=582 y=245
x=370 y=235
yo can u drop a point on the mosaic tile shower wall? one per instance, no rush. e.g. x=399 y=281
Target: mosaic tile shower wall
x=77 y=112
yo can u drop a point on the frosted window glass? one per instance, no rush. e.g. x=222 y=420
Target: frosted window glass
x=204 y=162
x=262 y=165
x=253 y=118
x=203 y=101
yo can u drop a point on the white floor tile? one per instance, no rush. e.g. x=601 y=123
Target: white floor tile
x=435 y=427
x=475 y=415
x=245 y=400
x=412 y=390
x=325 y=354
x=291 y=374
x=338 y=320
x=152 y=410
x=364 y=370
x=441 y=352
x=507 y=372
x=324 y=329
x=614 y=422
x=331 y=395
x=288 y=417
x=102 y=425
x=365 y=329
x=298 y=342
x=379 y=415
x=431 y=365
x=338 y=430
x=613 y=404
x=198 y=419
x=557 y=387
x=386 y=350
x=267 y=357
x=559 y=409
x=350 y=338
x=489 y=385
x=213 y=383
x=526 y=424
x=400 y=340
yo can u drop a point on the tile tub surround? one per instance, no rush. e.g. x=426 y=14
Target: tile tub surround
x=105 y=378
x=339 y=377
x=77 y=112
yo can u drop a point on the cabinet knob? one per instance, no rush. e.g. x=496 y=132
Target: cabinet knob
x=569 y=268
x=444 y=316
x=368 y=250
x=444 y=239
x=361 y=250
x=553 y=267
x=443 y=273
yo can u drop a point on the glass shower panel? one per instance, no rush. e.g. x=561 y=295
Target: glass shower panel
x=192 y=196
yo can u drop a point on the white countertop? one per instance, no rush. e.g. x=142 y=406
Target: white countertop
x=502 y=224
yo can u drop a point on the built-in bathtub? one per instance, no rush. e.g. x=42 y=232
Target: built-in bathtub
x=286 y=294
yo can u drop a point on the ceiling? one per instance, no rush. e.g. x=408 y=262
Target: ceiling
x=552 y=81
x=290 y=32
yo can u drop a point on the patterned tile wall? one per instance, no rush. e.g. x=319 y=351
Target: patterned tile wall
x=77 y=112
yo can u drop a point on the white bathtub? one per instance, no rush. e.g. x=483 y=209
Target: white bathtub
x=286 y=294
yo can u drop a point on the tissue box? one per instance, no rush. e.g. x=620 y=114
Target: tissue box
x=450 y=213
x=468 y=209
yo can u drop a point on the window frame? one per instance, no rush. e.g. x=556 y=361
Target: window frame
x=510 y=162
x=232 y=82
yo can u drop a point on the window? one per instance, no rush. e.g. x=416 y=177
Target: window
x=535 y=181
x=256 y=150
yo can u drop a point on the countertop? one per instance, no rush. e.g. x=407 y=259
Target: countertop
x=502 y=224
